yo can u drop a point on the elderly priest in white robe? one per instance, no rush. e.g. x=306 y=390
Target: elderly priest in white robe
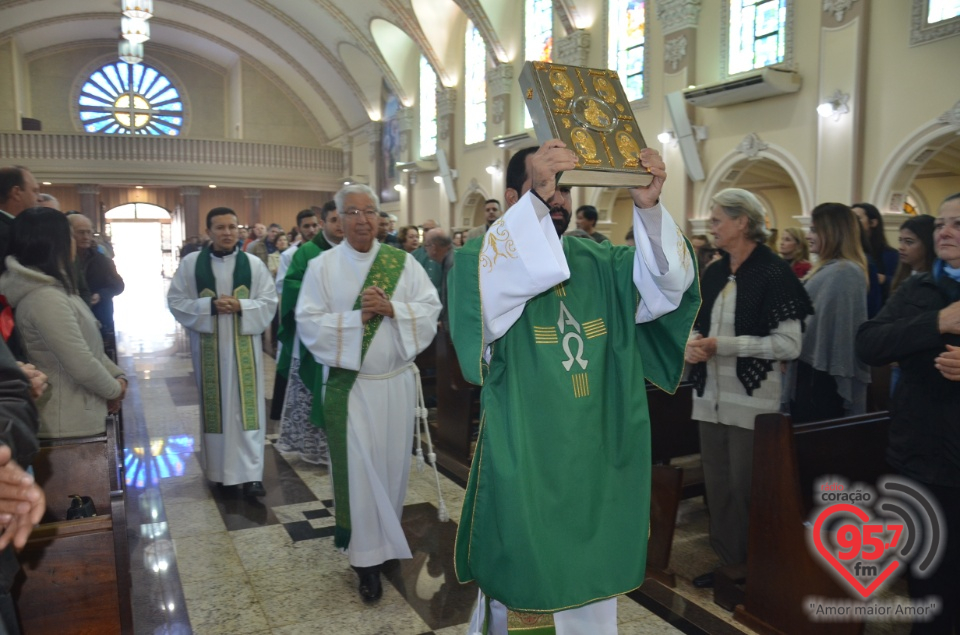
x=365 y=311
x=226 y=299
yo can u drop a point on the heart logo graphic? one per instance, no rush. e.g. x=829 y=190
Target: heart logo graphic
x=854 y=538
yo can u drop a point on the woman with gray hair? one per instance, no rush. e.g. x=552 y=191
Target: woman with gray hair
x=753 y=306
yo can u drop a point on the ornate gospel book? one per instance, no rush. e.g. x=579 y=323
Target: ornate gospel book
x=587 y=109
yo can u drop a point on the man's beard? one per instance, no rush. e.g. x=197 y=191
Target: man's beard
x=560 y=225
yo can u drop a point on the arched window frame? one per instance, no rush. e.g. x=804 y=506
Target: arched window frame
x=923 y=31
x=533 y=42
x=428 y=108
x=613 y=50
x=725 y=34
x=474 y=86
x=156 y=127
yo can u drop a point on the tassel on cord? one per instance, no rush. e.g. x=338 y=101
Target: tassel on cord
x=422 y=425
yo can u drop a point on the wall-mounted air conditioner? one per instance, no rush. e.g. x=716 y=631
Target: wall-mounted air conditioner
x=766 y=82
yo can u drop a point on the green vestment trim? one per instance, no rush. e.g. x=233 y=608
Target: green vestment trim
x=564 y=420
x=384 y=273
x=210 y=349
x=288 y=300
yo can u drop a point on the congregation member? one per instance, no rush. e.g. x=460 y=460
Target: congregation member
x=877 y=248
x=828 y=381
x=18 y=191
x=753 y=308
x=793 y=248
x=49 y=200
x=408 y=238
x=587 y=217
x=561 y=344
x=299 y=431
x=281 y=244
x=60 y=335
x=915 y=249
x=919 y=329
x=365 y=312
x=308 y=224
x=226 y=298
x=439 y=247
x=458 y=239
x=256 y=234
x=98 y=271
x=383 y=228
x=263 y=248
x=706 y=252
x=491 y=212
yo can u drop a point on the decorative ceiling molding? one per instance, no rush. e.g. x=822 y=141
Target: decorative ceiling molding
x=112 y=44
x=366 y=44
x=952 y=116
x=475 y=12
x=318 y=46
x=677 y=15
x=409 y=24
x=838 y=8
x=270 y=44
x=752 y=146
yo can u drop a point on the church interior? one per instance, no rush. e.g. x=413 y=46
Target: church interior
x=269 y=107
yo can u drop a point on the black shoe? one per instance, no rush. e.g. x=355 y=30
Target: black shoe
x=370 y=587
x=704 y=581
x=254 y=488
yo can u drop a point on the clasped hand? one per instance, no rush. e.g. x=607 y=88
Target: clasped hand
x=227 y=304
x=374 y=301
x=700 y=349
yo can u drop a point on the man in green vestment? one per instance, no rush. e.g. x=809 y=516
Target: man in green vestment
x=561 y=333
x=297 y=432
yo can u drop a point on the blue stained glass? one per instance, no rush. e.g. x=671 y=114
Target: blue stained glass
x=142 y=91
x=120 y=85
x=157 y=87
x=757 y=34
x=627 y=24
x=768 y=18
x=166 y=95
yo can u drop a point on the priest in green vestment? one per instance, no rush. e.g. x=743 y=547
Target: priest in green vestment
x=561 y=333
x=225 y=298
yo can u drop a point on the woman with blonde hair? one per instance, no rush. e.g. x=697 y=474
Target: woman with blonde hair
x=827 y=380
x=750 y=319
x=794 y=249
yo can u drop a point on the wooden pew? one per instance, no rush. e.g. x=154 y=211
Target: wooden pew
x=788 y=458
x=458 y=408
x=673 y=434
x=75 y=574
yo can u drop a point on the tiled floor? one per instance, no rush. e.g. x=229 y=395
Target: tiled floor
x=205 y=560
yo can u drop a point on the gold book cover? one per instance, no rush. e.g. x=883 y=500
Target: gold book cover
x=587 y=109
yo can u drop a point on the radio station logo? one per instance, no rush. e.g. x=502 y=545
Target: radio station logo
x=868 y=538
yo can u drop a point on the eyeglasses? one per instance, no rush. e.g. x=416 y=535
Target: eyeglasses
x=355 y=212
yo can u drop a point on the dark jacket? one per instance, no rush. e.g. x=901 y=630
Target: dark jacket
x=924 y=439
x=102 y=278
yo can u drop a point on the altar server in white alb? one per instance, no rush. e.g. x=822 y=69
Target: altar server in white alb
x=226 y=299
x=365 y=311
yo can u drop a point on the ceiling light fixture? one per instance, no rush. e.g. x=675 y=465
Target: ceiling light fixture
x=835 y=106
x=136 y=30
x=130 y=52
x=142 y=9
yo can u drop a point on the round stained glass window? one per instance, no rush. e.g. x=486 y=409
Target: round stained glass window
x=121 y=98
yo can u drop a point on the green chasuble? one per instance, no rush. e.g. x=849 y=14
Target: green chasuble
x=288 y=301
x=557 y=505
x=210 y=349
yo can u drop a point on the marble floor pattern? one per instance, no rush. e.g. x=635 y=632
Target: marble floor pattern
x=205 y=560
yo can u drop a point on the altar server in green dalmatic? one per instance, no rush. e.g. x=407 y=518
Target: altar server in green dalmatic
x=226 y=299
x=561 y=333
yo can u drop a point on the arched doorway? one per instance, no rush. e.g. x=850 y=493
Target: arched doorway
x=141 y=236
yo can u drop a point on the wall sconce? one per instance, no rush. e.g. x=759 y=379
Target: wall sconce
x=399 y=187
x=494 y=169
x=438 y=179
x=669 y=136
x=666 y=137
x=834 y=107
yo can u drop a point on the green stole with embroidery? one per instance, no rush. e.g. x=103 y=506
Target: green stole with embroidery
x=384 y=273
x=288 y=304
x=210 y=349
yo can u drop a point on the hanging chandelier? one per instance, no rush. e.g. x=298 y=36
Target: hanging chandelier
x=136 y=30
x=142 y=9
x=131 y=52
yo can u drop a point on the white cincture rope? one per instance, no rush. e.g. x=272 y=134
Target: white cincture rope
x=420 y=414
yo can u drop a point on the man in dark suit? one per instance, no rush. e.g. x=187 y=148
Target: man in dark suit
x=18 y=191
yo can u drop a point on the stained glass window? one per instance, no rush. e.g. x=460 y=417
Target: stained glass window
x=475 y=87
x=940 y=10
x=428 y=109
x=537 y=37
x=757 y=34
x=626 y=23
x=121 y=98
